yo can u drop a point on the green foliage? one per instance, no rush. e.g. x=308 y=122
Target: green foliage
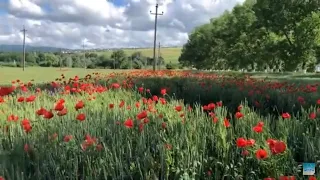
x=171 y=66
x=256 y=35
x=118 y=60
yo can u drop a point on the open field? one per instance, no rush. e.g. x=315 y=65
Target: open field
x=42 y=74
x=163 y=125
x=169 y=54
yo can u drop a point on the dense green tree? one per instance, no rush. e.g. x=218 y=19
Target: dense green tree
x=260 y=34
x=120 y=58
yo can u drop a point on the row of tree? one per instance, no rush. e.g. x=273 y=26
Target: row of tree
x=117 y=60
x=258 y=35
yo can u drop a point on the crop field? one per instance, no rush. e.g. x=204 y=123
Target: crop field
x=157 y=125
x=169 y=54
x=43 y=74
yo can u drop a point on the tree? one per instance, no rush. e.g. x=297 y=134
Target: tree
x=297 y=22
x=119 y=58
x=260 y=34
x=31 y=58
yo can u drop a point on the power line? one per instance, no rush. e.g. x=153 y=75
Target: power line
x=155 y=35
x=24 y=48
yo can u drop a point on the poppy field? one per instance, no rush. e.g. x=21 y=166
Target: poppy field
x=158 y=125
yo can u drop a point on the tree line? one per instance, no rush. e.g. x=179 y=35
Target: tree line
x=117 y=60
x=258 y=35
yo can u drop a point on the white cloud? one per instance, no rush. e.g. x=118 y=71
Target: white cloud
x=65 y=23
x=25 y=7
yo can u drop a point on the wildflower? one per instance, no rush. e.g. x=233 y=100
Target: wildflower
x=81 y=117
x=163 y=91
x=128 y=123
x=286 y=115
x=261 y=154
x=312 y=115
x=239 y=115
x=79 y=105
x=241 y=142
x=67 y=138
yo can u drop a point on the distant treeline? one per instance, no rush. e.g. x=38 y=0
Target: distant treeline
x=117 y=60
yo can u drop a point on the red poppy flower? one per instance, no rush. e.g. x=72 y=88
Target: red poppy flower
x=257 y=129
x=287 y=178
x=59 y=107
x=81 y=117
x=67 y=138
x=13 y=117
x=261 y=154
x=312 y=115
x=142 y=115
x=128 y=123
x=239 y=115
x=178 y=108
x=1 y=100
x=226 y=122
x=30 y=98
x=140 y=89
x=41 y=111
x=79 y=105
x=250 y=142
x=155 y=98
x=48 y=114
x=245 y=153
x=279 y=147
x=121 y=104
x=163 y=91
x=241 y=142
x=286 y=115
x=20 y=99
x=312 y=178
x=62 y=112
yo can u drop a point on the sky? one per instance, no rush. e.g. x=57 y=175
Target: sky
x=103 y=23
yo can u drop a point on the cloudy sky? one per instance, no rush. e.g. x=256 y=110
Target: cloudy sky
x=103 y=23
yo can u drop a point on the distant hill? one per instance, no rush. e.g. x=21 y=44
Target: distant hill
x=18 y=48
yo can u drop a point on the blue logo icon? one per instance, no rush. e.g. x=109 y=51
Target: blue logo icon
x=309 y=169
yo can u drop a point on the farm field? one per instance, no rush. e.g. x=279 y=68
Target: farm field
x=163 y=125
x=169 y=54
x=42 y=74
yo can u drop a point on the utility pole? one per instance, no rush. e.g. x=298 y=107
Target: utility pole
x=84 y=55
x=155 y=35
x=159 y=63
x=24 y=48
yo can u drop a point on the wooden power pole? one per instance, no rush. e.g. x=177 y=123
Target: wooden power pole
x=24 y=49
x=155 y=35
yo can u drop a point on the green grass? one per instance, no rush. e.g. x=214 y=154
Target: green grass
x=169 y=54
x=41 y=74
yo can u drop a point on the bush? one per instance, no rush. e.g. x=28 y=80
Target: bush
x=125 y=64
x=171 y=66
x=137 y=65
